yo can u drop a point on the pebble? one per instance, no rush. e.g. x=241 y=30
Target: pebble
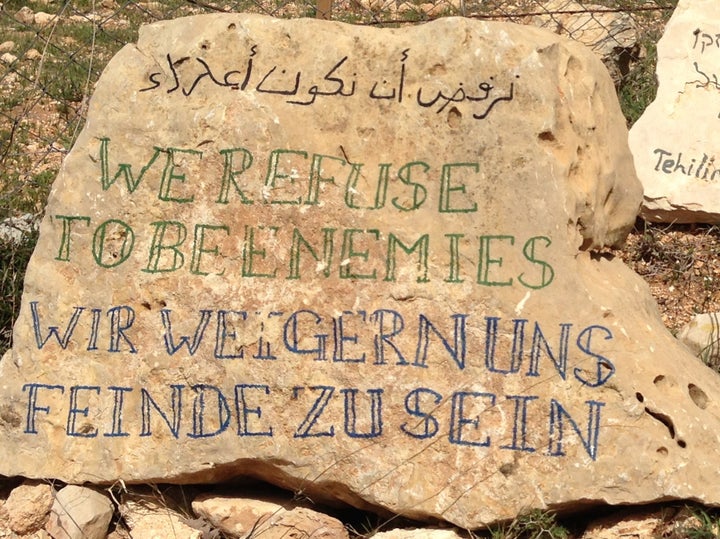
x=25 y=15
x=8 y=58
x=33 y=54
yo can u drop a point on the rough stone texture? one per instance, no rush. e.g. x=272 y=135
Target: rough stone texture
x=25 y=15
x=27 y=508
x=421 y=533
x=674 y=143
x=270 y=518
x=6 y=533
x=8 y=58
x=151 y=518
x=79 y=513
x=702 y=336
x=14 y=229
x=42 y=19
x=261 y=259
x=33 y=54
x=643 y=524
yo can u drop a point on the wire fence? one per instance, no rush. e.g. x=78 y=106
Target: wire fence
x=52 y=52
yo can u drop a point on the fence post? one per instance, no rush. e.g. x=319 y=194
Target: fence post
x=324 y=7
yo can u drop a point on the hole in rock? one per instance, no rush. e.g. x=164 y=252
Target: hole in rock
x=587 y=243
x=598 y=256
x=146 y=304
x=662 y=450
x=658 y=379
x=698 y=396
x=507 y=469
x=639 y=397
x=454 y=117
x=8 y=416
x=231 y=26
x=547 y=136
x=664 y=419
x=162 y=303
x=682 y=443
x=86 y=429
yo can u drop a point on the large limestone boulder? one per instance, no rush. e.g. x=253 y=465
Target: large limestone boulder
x=674 y=142
x=365 y=265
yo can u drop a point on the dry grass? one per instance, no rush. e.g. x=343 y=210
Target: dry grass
x=681 y=264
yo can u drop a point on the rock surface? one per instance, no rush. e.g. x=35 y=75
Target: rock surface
x=702 y=336
x=366 y=265
x=152 y=518
x=15 y=229
x=635 y=523
x=25 y=15
x=42 y=19
x=79 y=513
x=420 y=533
x=676 y=150
x=27 y=508
x=269 y=518
x=8 y=58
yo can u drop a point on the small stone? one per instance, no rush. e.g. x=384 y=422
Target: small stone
x=702 y=336
x=272 y=517
x=152 y=6
x=431 y=9
x=150 y=518
x=643 y=524
x=116 y=23
x=80 y=513
x=42 y=19
x=7 y=46
x=28 y=506
x=25 y=15
x=421 y=533
x=14 y=229
x=8 y=58
x=33 y=54
x=378 y=5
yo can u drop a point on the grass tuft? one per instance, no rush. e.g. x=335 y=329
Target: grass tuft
x=537 y=524
x=14 y=258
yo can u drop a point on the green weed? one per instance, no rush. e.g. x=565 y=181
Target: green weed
x=705 y=524
x=13 y=262
x=639 y=87
x=536 y=524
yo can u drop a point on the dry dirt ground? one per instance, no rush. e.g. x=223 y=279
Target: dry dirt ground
x=681 y=264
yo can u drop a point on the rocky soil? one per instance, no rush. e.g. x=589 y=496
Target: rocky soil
x=681 y=266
